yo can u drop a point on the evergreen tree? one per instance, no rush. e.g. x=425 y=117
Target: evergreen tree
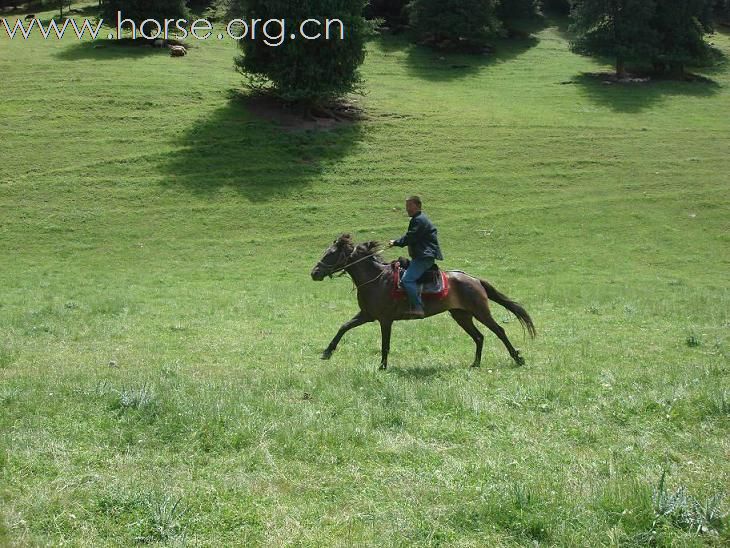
x=557 y=6
x=681 y=26
x=392 y=11
x=312 y=71
x=455 y=24
x=199 y=5
x=621 y=29
x=722 y=11
x=508 y=10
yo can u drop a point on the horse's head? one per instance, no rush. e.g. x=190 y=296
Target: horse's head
x=334 y=258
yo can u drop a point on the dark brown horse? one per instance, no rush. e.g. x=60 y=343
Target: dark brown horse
x=468 y=298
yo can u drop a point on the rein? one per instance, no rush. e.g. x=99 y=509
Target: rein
x=348 y=265
x=368 y=282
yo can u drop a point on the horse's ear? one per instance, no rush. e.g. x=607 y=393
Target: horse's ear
x=344 y=239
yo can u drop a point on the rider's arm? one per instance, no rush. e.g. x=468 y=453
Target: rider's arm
x=415 y=228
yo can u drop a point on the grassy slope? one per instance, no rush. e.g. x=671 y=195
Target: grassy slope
x=157 y=239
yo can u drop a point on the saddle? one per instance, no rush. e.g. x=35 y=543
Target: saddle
x=432 y=285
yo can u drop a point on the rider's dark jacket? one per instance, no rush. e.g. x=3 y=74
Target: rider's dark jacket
x=421 y=238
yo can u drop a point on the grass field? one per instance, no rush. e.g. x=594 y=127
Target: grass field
x=160 y=378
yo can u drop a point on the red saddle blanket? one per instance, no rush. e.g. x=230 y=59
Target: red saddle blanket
x=436 y=288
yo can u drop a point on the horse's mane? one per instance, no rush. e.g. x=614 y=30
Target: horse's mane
x=364 y=249
x=359 y=251
x=372 y=247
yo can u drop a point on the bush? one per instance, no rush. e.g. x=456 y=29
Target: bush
x=454 y=24
x=312 y=71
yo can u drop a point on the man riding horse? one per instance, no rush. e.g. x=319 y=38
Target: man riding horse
x=424 y=250
x=467 y=298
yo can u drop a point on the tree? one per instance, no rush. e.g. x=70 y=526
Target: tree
x=621 y=29
x=722 y=11
x=301 y=70
x=557 y=6
x=454 y=24
x=681 y=26
x=508 y=10
x=61 y=3
x=393 y=12
x=139 y=10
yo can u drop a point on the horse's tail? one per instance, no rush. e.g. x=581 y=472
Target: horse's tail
x=512 y=306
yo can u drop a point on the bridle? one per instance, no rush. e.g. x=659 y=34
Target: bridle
x=347 y=264
x=322 y=264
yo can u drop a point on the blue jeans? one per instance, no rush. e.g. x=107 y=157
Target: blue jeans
x=415 y=270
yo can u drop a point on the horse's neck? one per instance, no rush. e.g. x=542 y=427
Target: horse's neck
x=364 y=271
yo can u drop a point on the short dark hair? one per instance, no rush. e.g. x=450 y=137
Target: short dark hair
x=415 y=199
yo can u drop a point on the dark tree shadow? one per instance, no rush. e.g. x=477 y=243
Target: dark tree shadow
x=58 y=20
x=416 y=373
x=85 y=11
x=263 y=159
x=434 y=65
x=723 y=28
x=634 y=97
x=716 y=64
x=106 y=50
x=522 y=28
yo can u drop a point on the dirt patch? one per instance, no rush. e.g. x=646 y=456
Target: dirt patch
x=299 y=117
x=609 y=78
x=612 y=78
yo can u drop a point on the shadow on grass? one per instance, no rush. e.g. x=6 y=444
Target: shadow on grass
x=433 y=65
x=105 y=50
x=635 y=97
x=417 y=373
x=723 y=28
x=233 y=148
x=522 y=28
x=86 y=11
x=716 y=64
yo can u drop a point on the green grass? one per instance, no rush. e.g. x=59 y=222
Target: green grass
x=159 y=333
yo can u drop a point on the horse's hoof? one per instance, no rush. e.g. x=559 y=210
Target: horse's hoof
x=383 y=367
x=326 y=355
x=476 y=365
x=520 y=360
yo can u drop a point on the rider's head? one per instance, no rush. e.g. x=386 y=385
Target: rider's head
x=413 y=205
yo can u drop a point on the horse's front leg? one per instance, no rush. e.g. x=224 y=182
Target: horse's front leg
x=385 y=329
x=356 y=321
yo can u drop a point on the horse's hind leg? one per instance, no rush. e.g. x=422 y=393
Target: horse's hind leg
x=464 y=319
x=356 y=321
x=485 y=316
